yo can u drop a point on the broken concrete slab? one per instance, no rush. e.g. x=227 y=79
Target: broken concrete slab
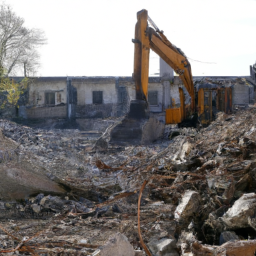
x=117 y=245
x=188 y=206
x=163 y=247
x=186 y=239
x=18 y=183
x=227 y=236
x=237 y=216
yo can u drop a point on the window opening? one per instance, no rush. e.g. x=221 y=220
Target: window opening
x=153 y=98
x=97 y=97
x=50 y=98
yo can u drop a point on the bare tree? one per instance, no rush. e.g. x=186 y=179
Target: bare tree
x=18 y=44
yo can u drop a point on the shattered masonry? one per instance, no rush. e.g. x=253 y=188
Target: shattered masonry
x=200 y=198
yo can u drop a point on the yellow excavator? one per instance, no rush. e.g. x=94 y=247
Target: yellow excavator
x=147 y=38
x=138 y=126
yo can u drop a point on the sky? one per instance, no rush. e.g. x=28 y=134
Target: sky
x=94 y=37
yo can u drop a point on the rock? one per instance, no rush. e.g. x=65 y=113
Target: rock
x=18 y=183
x=83 y=241
x=186 y=239
x=244 y=208
x=228 y=236
x=188 y=206
x=117 y=245
x=52 y=202
x=139 y=253
x=186 y=148
x=236 y=248
x=116 y=208
x=220 y=148
x=36 y=208
x=163 y=247
x=101 y=145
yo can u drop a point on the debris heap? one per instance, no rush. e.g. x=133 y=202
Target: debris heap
x=191 y=194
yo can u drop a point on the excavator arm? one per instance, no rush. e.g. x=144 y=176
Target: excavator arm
x=147 y=38
x=136 y=127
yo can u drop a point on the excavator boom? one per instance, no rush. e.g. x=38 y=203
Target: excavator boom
x=147 y=38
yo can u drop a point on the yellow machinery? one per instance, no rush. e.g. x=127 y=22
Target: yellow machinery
x=223 y=102
x=147 y=38
x=138 y=127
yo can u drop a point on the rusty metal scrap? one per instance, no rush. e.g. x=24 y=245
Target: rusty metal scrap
x=103 y=166
x=139 y=231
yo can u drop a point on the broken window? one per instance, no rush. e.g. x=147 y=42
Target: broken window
x=97 y=97
x=50 y=98
x=153 y=98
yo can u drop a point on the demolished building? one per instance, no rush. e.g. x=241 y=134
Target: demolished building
x=103 y=97
x=196 y=187
x=197 y=191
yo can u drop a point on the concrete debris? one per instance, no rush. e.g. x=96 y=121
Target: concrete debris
x=189 y=205
x=163 y=247
x=238 y=215
x=17 y=183
x=117 y=245
x=186 y=239
x=236 y=248
x=228 y=236
x=69 y=191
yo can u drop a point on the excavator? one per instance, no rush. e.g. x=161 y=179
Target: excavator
x=136 y=126
x=147 y=38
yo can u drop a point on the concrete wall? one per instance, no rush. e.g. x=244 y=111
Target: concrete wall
x=39 y=87
x=96 y=111
x=86 y=86
x=117 y=94
x=251 y=95
x=125 y=87
x=175 y=96
x=159 y=88
x=47 y=112
x=240 y=94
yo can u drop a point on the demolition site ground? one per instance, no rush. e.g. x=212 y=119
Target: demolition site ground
x=70 y=192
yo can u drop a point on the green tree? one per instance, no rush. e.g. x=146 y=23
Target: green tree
x=12 y=90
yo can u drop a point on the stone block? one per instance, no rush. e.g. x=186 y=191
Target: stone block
x=117 y=245
x=188 y=205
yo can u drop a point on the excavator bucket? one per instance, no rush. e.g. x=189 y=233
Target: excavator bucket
x=137 y=127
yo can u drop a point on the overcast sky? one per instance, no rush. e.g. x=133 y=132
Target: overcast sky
x=93 y=37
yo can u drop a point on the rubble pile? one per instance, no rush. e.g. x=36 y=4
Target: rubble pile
x=196 y=192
